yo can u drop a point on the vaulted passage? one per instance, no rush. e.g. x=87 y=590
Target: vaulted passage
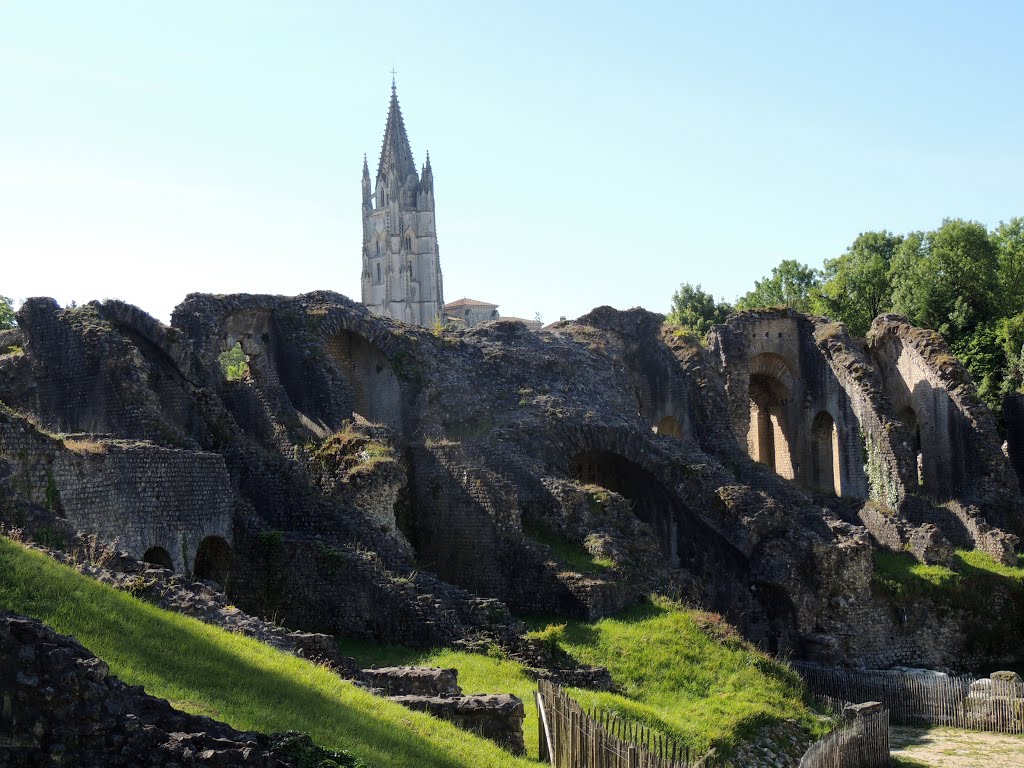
x=688 y=543
x=213 y=561
x=825 y=472
x=770 y=434
x=651 y=502
x=376 y=395
x=669 y=426
x=909 y=417
x=158 y=556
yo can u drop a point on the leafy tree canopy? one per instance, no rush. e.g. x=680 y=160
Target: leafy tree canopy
x=855 y=287
x=6 y=313
x=789 y=285
x=1008 y=239
x=696 y=310
x=946 y=279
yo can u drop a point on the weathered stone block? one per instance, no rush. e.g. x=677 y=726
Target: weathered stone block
x=414 y=681
x=498 y=717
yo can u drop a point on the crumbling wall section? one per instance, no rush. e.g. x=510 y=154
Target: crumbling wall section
x=63 y=707
x=89 y=377
x=960 y=455
x=135 y=494
x=793 y=401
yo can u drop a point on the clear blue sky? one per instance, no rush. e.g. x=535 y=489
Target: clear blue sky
x=584 y=153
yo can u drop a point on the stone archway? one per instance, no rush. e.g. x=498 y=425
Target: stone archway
x=158 y=556
x=770 y=435
x=651 y=502
x=912 y=421
x=376 y=395
x=825 y=466
x=213 y=561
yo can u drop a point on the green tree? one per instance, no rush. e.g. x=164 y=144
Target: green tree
x=1008 y=239
x=789 y=285
x=234 y=363
x=946 y=279
x=994 y=356
x=696 y=310
x=855 y=287
x=1010 y=335
x=6 y=313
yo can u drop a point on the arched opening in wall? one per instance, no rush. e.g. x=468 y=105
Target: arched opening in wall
x=825 y=454
x=213 y=561
x=650 y=500
x=769 y=435
x=376 y=395
x=158 y=556
x=234 y=363
x=669 y=426
x=721 y=571
x=909 y=417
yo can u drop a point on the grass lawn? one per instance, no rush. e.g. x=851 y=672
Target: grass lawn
x=901 y=577
x=206 y=670
x=683 y=673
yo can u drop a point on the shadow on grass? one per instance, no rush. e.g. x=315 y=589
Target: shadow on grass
x=232 y=678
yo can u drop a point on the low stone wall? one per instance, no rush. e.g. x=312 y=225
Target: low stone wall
x=890 y=530
x=498 y=717
x=413 y=681
x=60 y=706
x=135 y=494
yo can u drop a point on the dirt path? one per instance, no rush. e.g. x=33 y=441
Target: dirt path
x=951 y=748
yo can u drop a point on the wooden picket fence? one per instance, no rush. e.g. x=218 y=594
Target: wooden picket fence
x=859 y=743
x=571 y=737
x=915 y=699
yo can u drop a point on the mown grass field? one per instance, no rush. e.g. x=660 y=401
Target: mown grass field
x=684 y=673
x=205 y=670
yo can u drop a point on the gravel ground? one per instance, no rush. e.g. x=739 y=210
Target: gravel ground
x=951 y=748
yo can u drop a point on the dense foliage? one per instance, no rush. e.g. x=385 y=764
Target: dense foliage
x=961 y=279
x=789 y=285
x=6 y=313
x=234 y=363
x=696 y=310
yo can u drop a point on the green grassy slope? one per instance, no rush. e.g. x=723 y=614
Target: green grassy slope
x=689 y=675
x=967 y=584
x=203 y=669
x=683 y=673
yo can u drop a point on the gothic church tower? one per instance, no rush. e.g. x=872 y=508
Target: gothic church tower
x=401 y=267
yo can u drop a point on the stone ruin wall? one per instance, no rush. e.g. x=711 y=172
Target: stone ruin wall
x=881 y=453
x=488 y=421
x=137 y=496
x=807 y=406
x=961 y=454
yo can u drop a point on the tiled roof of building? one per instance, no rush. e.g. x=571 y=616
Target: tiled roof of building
x=460 y=303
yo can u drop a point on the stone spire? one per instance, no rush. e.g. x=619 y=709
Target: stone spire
x=396 y=153
x=401 y=266
x=367 y=190
x=427 y=177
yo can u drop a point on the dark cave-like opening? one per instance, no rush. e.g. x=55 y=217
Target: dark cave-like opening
x=213 y=561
